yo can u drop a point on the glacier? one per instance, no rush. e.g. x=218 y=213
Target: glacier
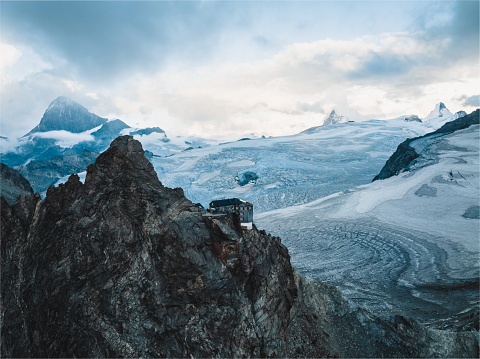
x=403 y=244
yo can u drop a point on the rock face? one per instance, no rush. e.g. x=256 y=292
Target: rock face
x=65 y=114
x=123 y=266
x=399 y=161
x=405 y=154
x=13 y=184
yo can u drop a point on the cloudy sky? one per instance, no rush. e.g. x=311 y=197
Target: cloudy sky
x=234 y=67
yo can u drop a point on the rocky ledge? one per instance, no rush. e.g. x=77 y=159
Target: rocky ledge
x=123 y=266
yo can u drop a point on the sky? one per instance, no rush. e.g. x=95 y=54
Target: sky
x=230 y=68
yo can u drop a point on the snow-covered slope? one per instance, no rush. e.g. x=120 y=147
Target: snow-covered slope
x=279 y=172
x=407 y=244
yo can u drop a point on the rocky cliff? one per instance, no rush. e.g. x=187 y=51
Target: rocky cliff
x=123 y=266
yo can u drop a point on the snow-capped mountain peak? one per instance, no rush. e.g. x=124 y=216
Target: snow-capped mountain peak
x=333 y=119
x=67 y=115
x=61 y=102
x=440 y=110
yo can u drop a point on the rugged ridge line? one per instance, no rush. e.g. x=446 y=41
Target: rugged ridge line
x=123 y=266
x=405 y=155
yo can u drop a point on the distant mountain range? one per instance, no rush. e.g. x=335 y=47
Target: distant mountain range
x=69 y=138
x=285 y=171
x=68 y=128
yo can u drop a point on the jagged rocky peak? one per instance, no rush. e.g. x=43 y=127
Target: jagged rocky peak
x=122 y=266
x=333 y=118
x=68 y=115
x=440 y=110
x=124 y=159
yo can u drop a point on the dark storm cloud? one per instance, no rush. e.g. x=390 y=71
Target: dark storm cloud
x=384 y=66
x=462 y=28
x=106 y=39
x=449 y=31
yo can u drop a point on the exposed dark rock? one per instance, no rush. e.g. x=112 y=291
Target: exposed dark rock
x=472 y=212
x=123 y=266
x=13 y=184
x=65 y=114
x=405 y=155
x=399 y=161
x=427 y=191
x=460 y=123
x=246 y=177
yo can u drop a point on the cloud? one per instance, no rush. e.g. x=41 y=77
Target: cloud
x=105 y=39
x=65 y=138
x=10 y=55
x=219 y=68
x=454 y=24
x=383 y=65
x=470 y=101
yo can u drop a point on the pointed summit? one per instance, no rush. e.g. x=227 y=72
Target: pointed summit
x=333 y=119
x=440 y=110
x=68 y=115
x=124 y=162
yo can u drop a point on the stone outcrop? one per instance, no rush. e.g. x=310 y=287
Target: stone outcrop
x=123 y=266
